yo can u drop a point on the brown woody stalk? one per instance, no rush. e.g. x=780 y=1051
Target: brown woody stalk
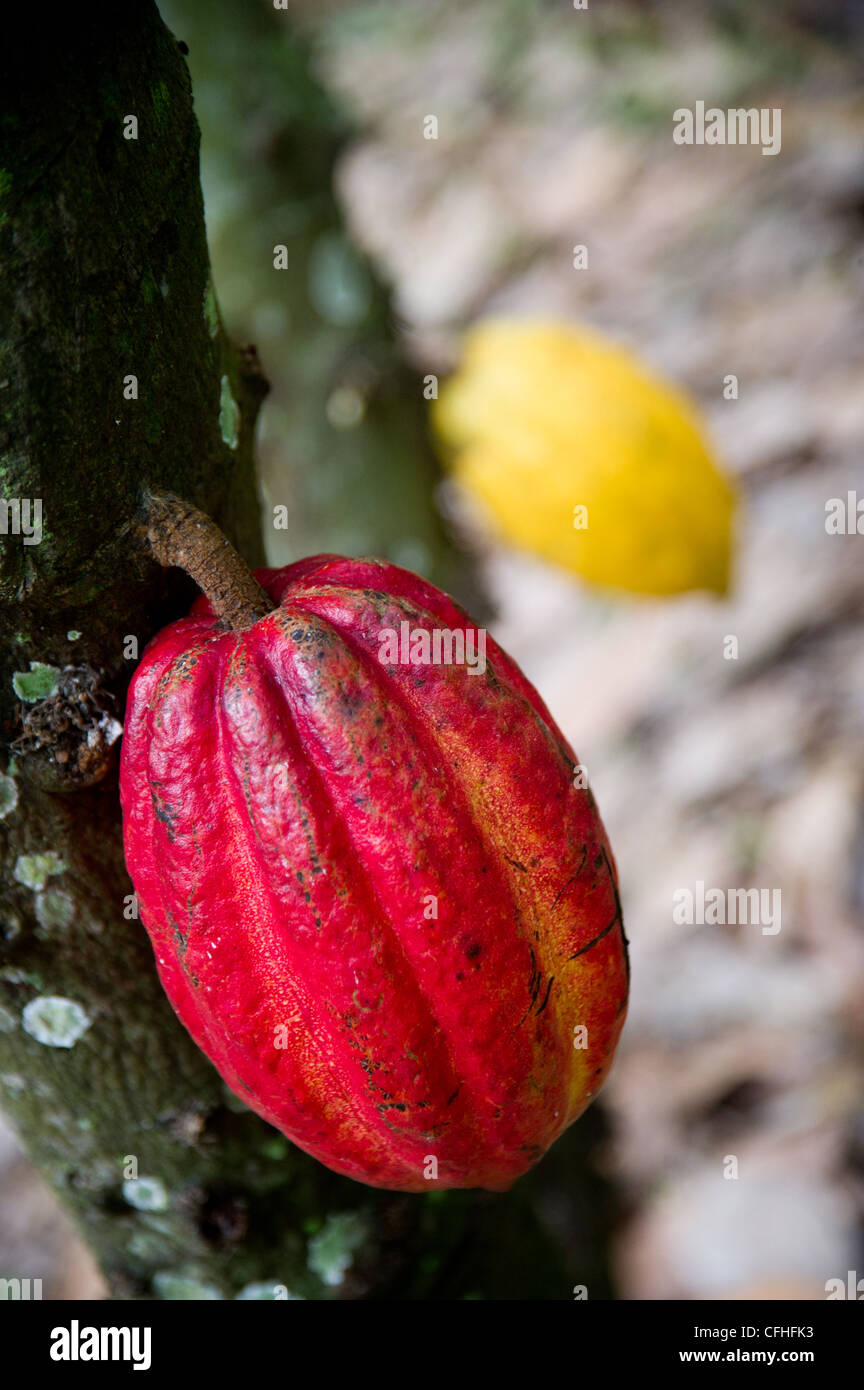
x=182 y=535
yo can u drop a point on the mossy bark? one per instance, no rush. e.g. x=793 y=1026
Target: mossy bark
x=104 y=274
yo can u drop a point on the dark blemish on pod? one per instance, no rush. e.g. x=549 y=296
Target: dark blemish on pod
x=163 y=811
x=571 y=880
x=546 y=997
x=618 y=908
x=588 y=945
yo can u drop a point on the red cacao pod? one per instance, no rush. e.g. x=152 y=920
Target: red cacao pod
x=377 y=900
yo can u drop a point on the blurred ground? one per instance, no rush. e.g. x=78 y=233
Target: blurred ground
x=555 y=129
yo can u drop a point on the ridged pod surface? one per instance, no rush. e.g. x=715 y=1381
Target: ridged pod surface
x=377 y=900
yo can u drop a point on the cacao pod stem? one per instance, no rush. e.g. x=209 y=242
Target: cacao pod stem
x=182 y=535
